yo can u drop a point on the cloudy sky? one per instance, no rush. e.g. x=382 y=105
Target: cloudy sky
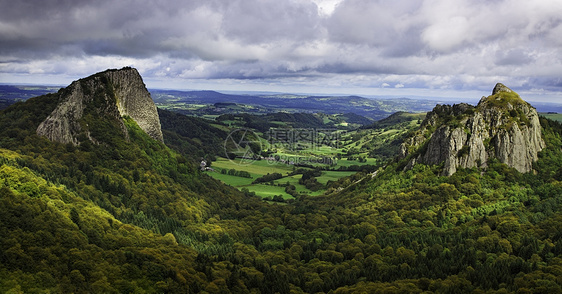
x=440 y=48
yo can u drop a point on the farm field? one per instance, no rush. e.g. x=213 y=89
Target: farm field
x=553 y=116
x=356 y=150
x=276 y=187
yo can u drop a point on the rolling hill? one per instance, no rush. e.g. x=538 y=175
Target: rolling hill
x=121 y=212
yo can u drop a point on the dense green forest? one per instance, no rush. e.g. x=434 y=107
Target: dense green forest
x=191 y=136
x=136 y=216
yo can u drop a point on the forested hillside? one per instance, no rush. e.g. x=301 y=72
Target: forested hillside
x=137 y=216
x=61 y=198
x=193 y=137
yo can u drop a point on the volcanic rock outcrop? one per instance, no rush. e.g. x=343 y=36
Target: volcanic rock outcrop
x=110 y=95
x=501 y=126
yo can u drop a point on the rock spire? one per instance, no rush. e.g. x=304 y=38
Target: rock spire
x=501 y=126
x=113 y=95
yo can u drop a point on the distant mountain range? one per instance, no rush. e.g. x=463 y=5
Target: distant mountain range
x=10 y=94
x=371 y=108
x=119 y=211
x=262 y=103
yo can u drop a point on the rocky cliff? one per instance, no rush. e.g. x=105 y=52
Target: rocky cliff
x=106 y=96
x=501 y=126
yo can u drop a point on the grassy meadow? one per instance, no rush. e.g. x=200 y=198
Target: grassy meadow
x=553 y=116
x=348 y=150
x=260 y=168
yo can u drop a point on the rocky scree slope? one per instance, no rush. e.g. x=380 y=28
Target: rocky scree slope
x=106 y=96
x=501 y=126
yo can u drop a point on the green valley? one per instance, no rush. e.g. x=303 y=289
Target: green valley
x=113 y=209
x=289 y=148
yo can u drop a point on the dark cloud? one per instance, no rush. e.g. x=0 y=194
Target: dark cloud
x=434 y=44
x=257 y=22
x=547 y=83
x=519 y=56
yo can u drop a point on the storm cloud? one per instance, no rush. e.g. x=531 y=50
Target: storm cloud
x=376 y=46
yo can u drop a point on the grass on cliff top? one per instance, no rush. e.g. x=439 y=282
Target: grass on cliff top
x=501 y=99
x=516 y=114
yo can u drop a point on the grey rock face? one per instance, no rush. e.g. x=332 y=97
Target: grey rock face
x=62 y=124
x=501 y=88
x=114 y=94
x=501 y=126
x=133 y=99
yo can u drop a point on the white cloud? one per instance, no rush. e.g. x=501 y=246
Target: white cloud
x=327 y=7
x=431 y=44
